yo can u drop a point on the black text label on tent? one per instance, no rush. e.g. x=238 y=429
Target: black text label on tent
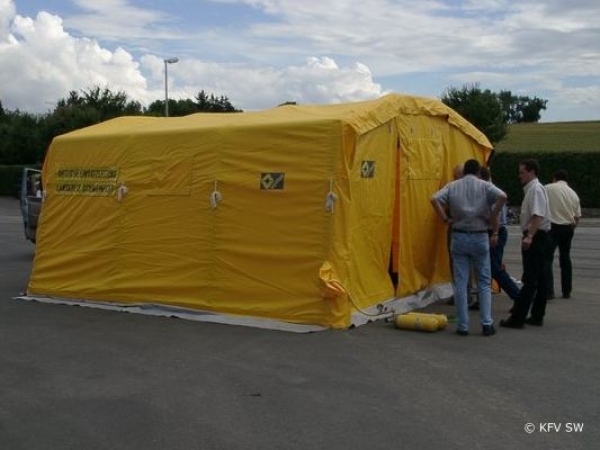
x=91 y=181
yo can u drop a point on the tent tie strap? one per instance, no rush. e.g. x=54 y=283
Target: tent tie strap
x=330 y=198
x=121 y=192
x=215 y=197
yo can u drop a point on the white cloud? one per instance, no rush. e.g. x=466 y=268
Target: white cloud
x=7 y=13
x=119 y=19
x=42 y=63
x=319 y=80
x=39 y=52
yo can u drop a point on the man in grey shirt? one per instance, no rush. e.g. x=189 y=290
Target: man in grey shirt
x=469 y=201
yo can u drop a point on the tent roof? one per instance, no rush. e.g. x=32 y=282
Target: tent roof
x=360 y=116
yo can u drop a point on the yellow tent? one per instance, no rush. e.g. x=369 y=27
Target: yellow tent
x=284 y=216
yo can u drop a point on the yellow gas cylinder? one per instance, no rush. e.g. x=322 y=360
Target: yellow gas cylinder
x=442 y=319
x=416 y=322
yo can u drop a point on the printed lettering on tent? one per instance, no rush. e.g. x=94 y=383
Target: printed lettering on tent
x=100 y=182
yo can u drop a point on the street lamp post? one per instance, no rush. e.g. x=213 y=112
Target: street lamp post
x=168 y=61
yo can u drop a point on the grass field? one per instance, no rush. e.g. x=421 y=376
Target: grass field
x=552 y=137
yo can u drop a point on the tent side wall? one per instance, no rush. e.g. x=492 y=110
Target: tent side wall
x=257 y=253
x=432 y=140
x=418 y=151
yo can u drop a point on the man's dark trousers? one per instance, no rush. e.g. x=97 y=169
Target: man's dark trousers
x=534 y=291
x=498 y=272
x=561 y=236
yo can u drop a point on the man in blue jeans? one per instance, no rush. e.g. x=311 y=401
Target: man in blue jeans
x=469 y=202
x=498 y=243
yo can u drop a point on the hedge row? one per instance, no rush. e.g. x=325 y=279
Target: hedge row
x=583 y=170
x=10 y=180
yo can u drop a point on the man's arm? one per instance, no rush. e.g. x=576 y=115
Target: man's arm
x=496 y=209
x=495 y=218
x=532 y=227
x=440 y=210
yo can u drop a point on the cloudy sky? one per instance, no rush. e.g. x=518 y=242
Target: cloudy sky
x=260 y=53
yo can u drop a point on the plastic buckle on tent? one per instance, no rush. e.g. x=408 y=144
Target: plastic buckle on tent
x=330 y=198
x=121 y=192
x=215 y=197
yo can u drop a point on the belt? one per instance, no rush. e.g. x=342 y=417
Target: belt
x=469 y=231
x=538 y=231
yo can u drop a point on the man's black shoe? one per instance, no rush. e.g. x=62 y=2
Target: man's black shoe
x=462 y=332
x=488 y=330
x=566 y=296
x=511 y=323
x=550 y=297
x=535 y=321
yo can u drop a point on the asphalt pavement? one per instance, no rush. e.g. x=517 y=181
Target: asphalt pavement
x=81 y=378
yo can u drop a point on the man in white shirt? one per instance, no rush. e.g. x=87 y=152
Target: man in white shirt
x=565 y=212
x=535 y=225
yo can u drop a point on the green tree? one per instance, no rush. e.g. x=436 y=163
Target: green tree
x=483 y=108
x=203 y=103
x=85 y=108
x=530 y=109
x=522 y=109
x=177 y=108
x=20 y=138
x=24 y=138
x=214 y=104
x=105 y=104
x=508 y=102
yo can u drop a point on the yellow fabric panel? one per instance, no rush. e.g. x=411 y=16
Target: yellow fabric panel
x=166 y=221
x=147 y=247
x=340 y=251
x=429 y=150
x=270 y=243
x=73 y=268
x=368 y=228
x=422 y=154
x=335 y=295
x=360 y=116
x=73 y=249
x=258 y=253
